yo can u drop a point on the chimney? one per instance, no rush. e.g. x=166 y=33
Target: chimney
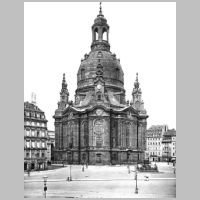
x=33 y=98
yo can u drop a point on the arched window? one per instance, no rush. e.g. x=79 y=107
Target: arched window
x=123 y=141
x=104 y=34
x=99 y=55
x=71 y=136
x=127 y=134
x=85 y=134
x=98 y=131
x=117 y=73
x=96 y=34
x=82 y=73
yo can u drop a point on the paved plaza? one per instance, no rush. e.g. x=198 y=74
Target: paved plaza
x=102 y=182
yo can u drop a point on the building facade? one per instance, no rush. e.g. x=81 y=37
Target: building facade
x=50 y=145
x=169 y=145
x=154 y=137
x=100 y=126
x=35 y=137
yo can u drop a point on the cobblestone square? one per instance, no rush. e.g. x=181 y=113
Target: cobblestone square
x=102 y=182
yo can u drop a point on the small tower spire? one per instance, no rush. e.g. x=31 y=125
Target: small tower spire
x=64 y=85
x=137 y=97
x=63 y=77
x=136 y=84
x=64 y=94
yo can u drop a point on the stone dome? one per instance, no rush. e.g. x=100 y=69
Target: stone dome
x=112 y=71
x=100 y=52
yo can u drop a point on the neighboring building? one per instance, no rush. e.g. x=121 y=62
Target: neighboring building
x=169 y=145
x=154 y=137
x=35 y=137
x=100 y=127
x=50 y=145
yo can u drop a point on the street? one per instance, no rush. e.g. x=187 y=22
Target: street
x=102 y=182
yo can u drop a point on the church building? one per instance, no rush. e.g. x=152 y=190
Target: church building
x=100 y=126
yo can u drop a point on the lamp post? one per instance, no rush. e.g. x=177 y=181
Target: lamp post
x=128 y=156
x=69 y=178
x=70 y=173
x=136 y=188
x=83 y=168
x=45 y=185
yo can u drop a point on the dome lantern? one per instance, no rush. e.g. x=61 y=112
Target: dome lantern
x=100 y=32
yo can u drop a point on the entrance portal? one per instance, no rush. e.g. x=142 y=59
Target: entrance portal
x=98 y=158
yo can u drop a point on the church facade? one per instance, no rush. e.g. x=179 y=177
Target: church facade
x=100 y=126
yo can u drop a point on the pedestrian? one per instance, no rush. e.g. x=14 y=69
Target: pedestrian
x=83 y=168
x=146 y=178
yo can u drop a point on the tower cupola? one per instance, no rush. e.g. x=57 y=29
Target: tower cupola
x=100 y=32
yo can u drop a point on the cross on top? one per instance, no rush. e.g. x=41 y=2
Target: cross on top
x=100 y=11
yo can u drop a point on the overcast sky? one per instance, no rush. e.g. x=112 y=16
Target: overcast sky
x=143 y=36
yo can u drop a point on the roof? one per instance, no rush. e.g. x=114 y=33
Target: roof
x=156 y=131
x=31 y=106
x=157 y=127
x=170 y=133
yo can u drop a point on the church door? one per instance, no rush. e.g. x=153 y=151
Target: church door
x=98 y=158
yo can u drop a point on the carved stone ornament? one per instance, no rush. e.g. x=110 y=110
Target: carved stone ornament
x=99 y=112
x=98 y=86
x=70 y=115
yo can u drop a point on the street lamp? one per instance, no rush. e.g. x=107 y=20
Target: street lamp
x=69 y=178
x=45 y=185
x=136 y=188
x=70 y=174
x=83 y=168
x=128 y=161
